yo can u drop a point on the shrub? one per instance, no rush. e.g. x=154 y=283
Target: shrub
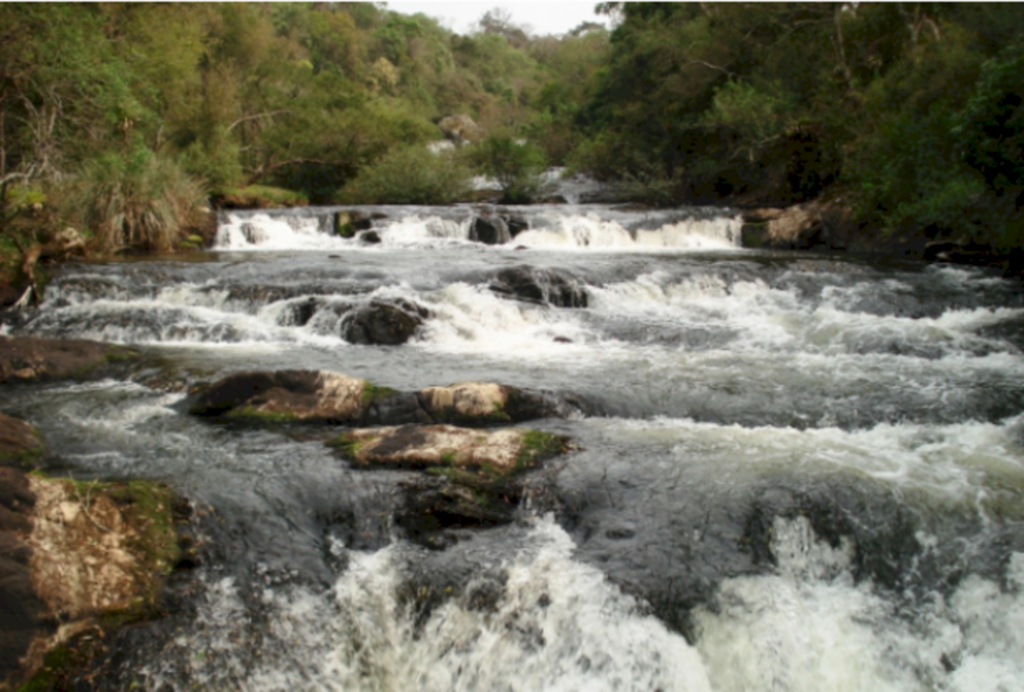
x=415 y=175
x=136 y=201
x=516 y=166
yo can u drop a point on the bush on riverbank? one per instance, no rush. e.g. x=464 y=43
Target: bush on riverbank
x=133 y=201
x=415 y=175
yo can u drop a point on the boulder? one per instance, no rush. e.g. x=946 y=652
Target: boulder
x=323 y=397
x=516 y=225
x=799 y=227
x=473 y=476
x=497 y=453
x=97 y=557
x=486 y=403
x=460 y=128
x=348 y=222
x=75 y=559
x=542 y=286
x=490 y=230
x=383 y=323
x=285 y=396
x=31 y=359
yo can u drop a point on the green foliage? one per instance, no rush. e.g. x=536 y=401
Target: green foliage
x=133 y=201
x=261 y=196
x=515 y=164
x=415 y=175
x=991 y=126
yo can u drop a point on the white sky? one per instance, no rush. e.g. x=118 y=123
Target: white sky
x=540 y=17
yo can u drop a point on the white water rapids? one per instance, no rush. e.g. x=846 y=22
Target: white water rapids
x=793 y=472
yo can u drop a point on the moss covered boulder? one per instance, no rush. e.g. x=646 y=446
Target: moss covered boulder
x=77 y=559
x=473 y=477
x=96 y=556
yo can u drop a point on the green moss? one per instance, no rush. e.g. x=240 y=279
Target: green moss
x=348 y=445
x=373 y=393
x=538 y=446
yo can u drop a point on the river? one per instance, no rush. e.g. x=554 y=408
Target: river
x=792 y=471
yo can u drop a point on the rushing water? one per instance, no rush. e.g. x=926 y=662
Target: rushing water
x=795 y=472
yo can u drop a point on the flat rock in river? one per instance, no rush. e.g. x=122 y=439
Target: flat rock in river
x=286 y=395
x=482 y=403
x=474 y=477
x=31 y=359
x=498 y=452
x=323 y=397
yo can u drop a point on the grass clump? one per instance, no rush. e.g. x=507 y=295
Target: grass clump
x=134 y=202
x=538 y=446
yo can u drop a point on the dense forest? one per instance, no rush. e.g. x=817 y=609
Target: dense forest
x=124 y=121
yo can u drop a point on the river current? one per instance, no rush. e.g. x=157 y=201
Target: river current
x=792 y=472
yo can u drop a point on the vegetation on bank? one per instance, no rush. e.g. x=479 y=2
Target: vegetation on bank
x=125 y=121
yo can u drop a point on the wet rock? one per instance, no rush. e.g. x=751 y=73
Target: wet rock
x=490 y=230
x=799 y=227
x=349 y=222
x=323 y=397
x=31 y=359
x=486 y=403
x=285 y=396
x=516 y=225
x=543 y=286
x=385 y=324
x=97 y=556
x=473 y=476
x=73 y=556
x=498 y=453
x=20 y=443
x=370 y=237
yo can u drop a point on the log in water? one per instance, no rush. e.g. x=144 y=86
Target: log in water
x=790 y=472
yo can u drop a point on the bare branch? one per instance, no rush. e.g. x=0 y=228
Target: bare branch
x=268 y=114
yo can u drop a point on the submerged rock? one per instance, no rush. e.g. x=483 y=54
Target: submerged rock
x=473 y=476
x=30 y=359
x=543 y=286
